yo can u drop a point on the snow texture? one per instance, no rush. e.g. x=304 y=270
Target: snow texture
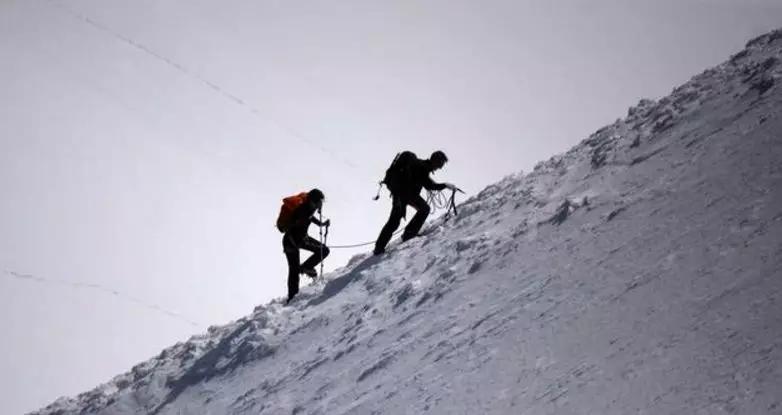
x=640 y=272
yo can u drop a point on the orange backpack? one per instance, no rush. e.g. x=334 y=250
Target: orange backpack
x=289 y=205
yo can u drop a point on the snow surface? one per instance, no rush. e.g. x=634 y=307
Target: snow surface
x=640 y=272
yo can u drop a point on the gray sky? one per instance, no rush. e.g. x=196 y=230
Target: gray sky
x=122 y=170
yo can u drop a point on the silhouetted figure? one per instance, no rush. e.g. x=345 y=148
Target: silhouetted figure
x=405 y=179
x=296 y=215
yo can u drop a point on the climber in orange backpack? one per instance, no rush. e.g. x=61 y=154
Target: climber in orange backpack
x=296 y=214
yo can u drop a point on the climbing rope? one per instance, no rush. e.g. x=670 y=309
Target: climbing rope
x=362 y=244
x=437 y=199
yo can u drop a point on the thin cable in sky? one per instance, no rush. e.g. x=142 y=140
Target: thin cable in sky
x=106 y=290
x=207 y=83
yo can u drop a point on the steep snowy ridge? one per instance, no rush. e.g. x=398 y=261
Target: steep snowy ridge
x=639 y=272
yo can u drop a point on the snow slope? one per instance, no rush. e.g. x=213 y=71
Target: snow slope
x=640 y=272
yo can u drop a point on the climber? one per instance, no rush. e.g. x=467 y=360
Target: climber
x=296 y=214
x=405 y=178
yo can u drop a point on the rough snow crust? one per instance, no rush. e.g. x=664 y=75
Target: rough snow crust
x=640 y=272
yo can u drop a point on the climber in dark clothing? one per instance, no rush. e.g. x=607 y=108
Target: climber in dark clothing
x=296 y=238
x=409 y=180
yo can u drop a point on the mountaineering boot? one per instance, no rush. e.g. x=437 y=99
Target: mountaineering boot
x=310 y=272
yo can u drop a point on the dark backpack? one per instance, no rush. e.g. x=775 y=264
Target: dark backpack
x=400 y=174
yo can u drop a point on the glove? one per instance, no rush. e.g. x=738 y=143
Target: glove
x=327 y=223
x=450 y=186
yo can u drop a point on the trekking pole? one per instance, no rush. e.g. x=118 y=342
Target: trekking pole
x=452 y=203
x=325 y=241
x=320 y=228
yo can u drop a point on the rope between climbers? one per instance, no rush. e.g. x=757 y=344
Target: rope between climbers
x=362 y=244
